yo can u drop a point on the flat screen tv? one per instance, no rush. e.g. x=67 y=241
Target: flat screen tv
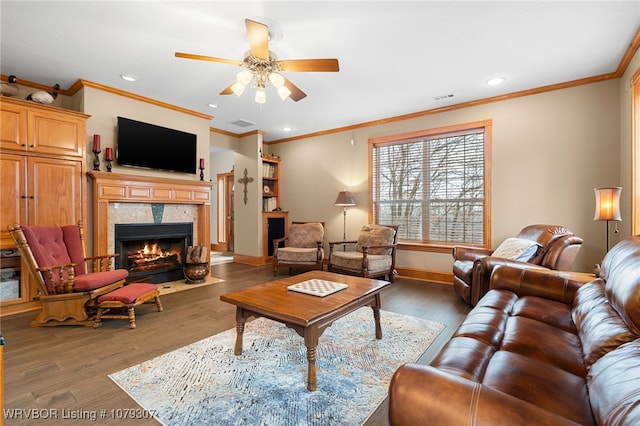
x=155 y=147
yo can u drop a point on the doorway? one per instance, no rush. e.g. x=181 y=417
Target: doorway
x=225 y=212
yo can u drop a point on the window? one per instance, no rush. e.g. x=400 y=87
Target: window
x=434 y=184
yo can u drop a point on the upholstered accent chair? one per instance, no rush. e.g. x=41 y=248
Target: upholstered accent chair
x=549 y=247
x=68 y=289
x=302 y=249
x=374 y=255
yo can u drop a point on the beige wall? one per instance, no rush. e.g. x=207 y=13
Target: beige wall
x=248 y=215
x=104 y=108
x=549 y=151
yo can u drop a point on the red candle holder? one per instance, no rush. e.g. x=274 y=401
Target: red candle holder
x=202 y=169
x=108 y=156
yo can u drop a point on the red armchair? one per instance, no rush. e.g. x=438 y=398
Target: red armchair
x=55 y=257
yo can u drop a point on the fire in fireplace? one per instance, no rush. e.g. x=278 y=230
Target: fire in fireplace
x=151 y=257
x=155 y=252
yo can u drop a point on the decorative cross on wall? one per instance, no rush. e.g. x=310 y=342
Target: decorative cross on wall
x=245 y=180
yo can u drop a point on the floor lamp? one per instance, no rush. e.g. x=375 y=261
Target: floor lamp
x=344 y=200
x=608 y=206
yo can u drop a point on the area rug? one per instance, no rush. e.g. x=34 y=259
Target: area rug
x=182 y=285
x=205 y=383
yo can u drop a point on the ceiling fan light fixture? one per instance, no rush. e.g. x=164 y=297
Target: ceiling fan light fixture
x=261 y=95
x=237 y=88
x=276 y=79
x=244 y=77
x=283 y=92
x=261 y=67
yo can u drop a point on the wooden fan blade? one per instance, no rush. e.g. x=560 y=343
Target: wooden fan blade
x=296 y=93
x=258 y=34
x=310 y=65
x=227 y=90
x=207 y=58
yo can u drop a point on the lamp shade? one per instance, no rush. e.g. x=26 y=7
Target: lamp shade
x=608 y=203
x=345 y=199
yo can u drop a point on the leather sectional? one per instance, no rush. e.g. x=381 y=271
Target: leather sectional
x=536 y=349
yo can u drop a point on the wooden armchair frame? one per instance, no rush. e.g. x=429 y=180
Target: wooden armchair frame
x=61 y=303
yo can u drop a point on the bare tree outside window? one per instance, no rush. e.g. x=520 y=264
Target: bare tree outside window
x=432 y=185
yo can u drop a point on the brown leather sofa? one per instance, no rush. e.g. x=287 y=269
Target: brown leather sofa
x=536 y=349
x=472 y=266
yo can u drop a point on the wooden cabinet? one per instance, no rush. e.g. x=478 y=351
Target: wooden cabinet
x=13 y=126
x=35 y=128
x=41 y=167
x=13 y=195
x=39 y=190
x=270 y=184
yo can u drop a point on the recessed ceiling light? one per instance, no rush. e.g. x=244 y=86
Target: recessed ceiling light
x=128 y=77
x=212 y=105
x=287 y=129
x=495 y=81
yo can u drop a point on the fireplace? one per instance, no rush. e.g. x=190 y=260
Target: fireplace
x=153 y=251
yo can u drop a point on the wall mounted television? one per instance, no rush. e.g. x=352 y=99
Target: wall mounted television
x=155 y=147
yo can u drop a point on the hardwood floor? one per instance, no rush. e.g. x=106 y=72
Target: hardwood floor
x=66 y=368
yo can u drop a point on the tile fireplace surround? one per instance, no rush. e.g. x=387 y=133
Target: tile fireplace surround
x=121 y=198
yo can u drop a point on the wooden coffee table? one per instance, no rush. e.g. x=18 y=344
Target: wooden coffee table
x=308 y=315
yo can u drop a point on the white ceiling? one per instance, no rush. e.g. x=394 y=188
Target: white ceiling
x=395 y=57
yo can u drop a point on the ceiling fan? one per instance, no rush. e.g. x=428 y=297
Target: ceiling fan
x=263 y=66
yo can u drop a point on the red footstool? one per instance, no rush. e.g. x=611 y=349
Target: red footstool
x=127 y=297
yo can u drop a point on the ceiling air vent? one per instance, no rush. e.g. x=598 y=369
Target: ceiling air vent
x=243 y=123
x=442 y=97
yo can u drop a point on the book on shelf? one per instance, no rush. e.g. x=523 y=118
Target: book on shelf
x=269 y=204
x=268 y=170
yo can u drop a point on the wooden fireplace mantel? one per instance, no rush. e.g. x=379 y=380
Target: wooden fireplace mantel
x=123 y=188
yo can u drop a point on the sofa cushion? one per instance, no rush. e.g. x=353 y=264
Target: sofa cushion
x=561 y=349
x=618 y=253
x=517 y=325
x=516 y=249
x=614 y=386
x=623 y=291
x=600 y=328
x=376 y=235
x=541 y=384
x=551 y=312
x=465 y=357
